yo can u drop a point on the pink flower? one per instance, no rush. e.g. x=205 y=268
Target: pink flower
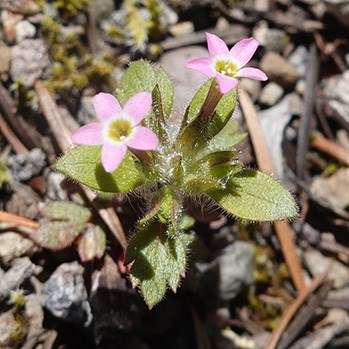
x=227 y=66
x=119 y=128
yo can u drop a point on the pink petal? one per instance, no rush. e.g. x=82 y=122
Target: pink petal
x=252 y=73
x=143 y=139
x=226 y=83
x=106 y=105
x=203 y=65
x=216 y=46
x=112 y=155
x=90 y=134
x=242 y=51
x=137 y=106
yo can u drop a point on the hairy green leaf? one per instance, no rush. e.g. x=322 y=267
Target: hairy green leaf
x=67 y=211
x=256 y=196
x=56 y=235
x=158 y=261
x=138 y=77
x=227 y=138
x=83 y=164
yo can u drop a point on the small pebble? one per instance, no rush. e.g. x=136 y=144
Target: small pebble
x=24 y=167
x=24 y=29
x=65 y=295
x=271 y=94
x=279 y=70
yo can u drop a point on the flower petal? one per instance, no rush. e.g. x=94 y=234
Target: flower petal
x=242 y=51
x=90 y=134
x=202 y=65
x=226 y=83
x=106 y=105
x=252 y=73
x=112 y=155
x=216 y=46
x=143 y=139
x=137 y=106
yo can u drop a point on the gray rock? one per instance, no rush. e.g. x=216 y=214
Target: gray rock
x=24 y=167
x=24 y=29
x=271 y=94
x=317 y=263
x=186 y=82
x=8 y=325
x=253 y=87
x=13 y=245
x=336 y=89
x=86 y=113
x=55 y=191
x=272 y=39
x=65 y=295
x=333 y=189
x=278 y=69
x=226 y=276
x=29 y=61
x=21 y=270
x=274 y=121
x=299 y=58
x=236 y=266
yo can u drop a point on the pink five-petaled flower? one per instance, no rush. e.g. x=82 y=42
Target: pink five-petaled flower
x=226 y=66
x=119 y=128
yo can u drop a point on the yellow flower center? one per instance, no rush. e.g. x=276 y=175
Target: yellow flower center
x=119 y=130
x=226 y=68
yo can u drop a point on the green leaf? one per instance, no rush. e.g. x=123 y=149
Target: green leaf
x=201 y=185
x=138 y=77
x=256 y=196
x=158 y=261
x=67 y=211
x=92 y=243
x=170 y=211
x=228 y=138
x=56 y=235
x=166 y=90
x=217 y=165
x=83 y=164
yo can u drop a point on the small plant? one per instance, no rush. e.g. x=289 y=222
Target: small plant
x=136 y=148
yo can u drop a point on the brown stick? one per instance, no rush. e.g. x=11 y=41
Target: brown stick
x=289 y=314
x=282 y=228
x=18 y=220
x=16 y=144
x=331 y=148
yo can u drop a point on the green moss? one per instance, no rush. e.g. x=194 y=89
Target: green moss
x=135 y=24
x=4 y=174
x=71 y=6
x=154 y=26
x=73 y=68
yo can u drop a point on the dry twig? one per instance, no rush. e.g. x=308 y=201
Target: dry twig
x=18 y=220
x=289 y=314
x=331 y=148
x=282 y=228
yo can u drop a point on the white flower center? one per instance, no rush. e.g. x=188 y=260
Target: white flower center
x=118 y=128
x=225 y=67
